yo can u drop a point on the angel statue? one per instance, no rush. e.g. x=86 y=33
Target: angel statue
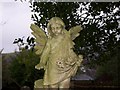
x=57 y=57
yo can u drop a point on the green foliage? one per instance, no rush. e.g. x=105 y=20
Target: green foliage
x=110 y=67
x=22 y=68
x=5 y=71
x=44 y=11
x=29 y=44
x=100 y=32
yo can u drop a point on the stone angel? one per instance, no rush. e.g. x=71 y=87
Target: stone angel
x=57 y=57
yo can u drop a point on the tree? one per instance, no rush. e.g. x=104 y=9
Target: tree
x=100 y=22
x=43 y=11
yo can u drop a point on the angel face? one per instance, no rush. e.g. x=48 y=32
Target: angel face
x=56 y=29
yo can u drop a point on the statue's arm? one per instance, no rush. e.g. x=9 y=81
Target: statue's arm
x=44 y=57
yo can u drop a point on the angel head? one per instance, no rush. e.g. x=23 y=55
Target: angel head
x=55 y=26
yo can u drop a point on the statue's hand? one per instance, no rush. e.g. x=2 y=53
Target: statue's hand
x=80 y=59
x=39 y=66
x=70 y=61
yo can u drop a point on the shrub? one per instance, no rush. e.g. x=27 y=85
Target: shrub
x=22 y=68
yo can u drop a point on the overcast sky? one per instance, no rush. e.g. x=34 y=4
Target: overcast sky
x=15 y=20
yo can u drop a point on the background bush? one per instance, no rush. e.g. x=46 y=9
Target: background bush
x=22 y=67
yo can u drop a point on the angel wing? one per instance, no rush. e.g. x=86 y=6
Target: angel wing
x=74 y=31
x=40 y=38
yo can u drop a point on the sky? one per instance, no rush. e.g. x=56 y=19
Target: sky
x=15 y=20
